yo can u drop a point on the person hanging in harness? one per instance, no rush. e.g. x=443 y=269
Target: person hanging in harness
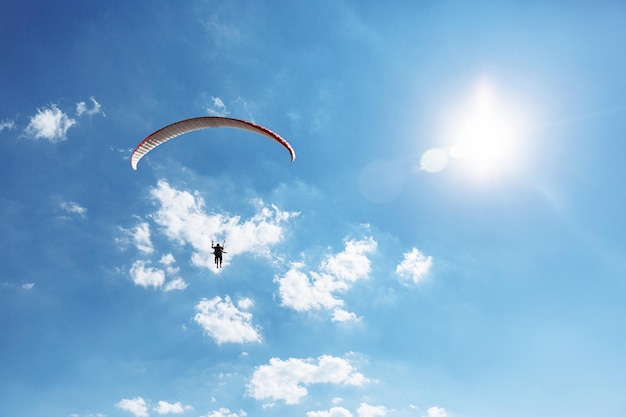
x=217 y=252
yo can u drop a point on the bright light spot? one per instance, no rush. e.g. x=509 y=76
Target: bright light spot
x=434 y=160
x=485 y=135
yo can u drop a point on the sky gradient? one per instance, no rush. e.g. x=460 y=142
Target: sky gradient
x=449 y=241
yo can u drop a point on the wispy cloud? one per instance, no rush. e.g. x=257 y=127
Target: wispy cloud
x=141 y=237
x=184 y=221
x=318 y=290
x=7 y=124
x=83 y=109
x=222 y=34
x=224 y=322
x=217 y=107
x=136 y=406
x=50 y=124
x=414 y=267
x=28 y=286
x=287 y=380
x=74 y=208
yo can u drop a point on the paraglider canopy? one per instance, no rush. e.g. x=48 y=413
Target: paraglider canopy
x=189 y=125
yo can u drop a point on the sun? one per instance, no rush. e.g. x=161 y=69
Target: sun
x=484 y=135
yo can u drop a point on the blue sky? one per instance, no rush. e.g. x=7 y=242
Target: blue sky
x=448 y=243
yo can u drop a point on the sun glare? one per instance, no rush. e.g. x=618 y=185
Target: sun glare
x=485 y=138
x=482 y=137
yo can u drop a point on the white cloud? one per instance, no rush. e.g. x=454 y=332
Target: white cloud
x=436 y=412
x=317 y=290
x=28 y=286
x=164 y=407
x=341 y=316
x=74 y=208
x=146 y=276
x=167 y=259
x=352 y=263
x=81 y=108
x=366 y=410
x=141 y=237
x=333 y=412
x=414 y=267
x=175 y=284
x=49 y=123
x=287 y=380
x=136 y=406
x=303 y=293
x=182 y=216
x=224 y=322
x=245 y=303
x=225 y=412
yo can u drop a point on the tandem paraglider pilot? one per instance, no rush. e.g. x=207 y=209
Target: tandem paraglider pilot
x=218 y=251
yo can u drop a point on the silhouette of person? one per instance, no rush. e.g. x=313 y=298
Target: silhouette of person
x=218 y=251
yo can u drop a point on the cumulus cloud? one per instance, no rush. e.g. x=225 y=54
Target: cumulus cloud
x=317 y=290
x=83 y=109
x=163 y=407
x=74 y=208
x=414 y=267
x=333 y=412
x=340 y=315
x=436 y=412
x=175 y=284
x=50 y=124
x=366 y=410
x=136 y=406
x=225 y=412
x=183 y=218
x=167 y=259
x=146 y=276
x=224 y=322
x=245 y=303
x=287 y=380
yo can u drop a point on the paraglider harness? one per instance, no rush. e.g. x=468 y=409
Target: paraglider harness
x=218 y=251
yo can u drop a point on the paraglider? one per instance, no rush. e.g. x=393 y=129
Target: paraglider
x=189 y=125
x=217 y=252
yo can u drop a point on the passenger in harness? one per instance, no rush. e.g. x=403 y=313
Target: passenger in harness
x=217 y=252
